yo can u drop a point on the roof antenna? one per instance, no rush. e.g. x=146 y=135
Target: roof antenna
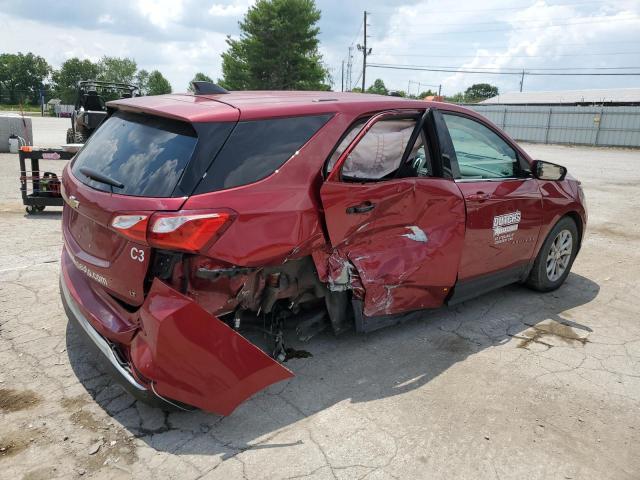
x=207 y=88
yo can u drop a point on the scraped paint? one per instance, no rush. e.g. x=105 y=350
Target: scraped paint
x=417 y=234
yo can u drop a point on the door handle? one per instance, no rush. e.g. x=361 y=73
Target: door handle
x=364 y=207
x=479 y=197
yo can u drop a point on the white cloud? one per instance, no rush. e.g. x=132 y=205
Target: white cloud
x=161 y=12
x=105 y=19
x=178 y=60
x=614 y=27
x=181 y=37
x=235 y=9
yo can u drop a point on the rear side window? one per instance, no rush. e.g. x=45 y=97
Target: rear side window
x=256 y=149
x=380 y=151
x=378 y=156
x=146 y=154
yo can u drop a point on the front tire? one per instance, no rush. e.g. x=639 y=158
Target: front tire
x=555 y=258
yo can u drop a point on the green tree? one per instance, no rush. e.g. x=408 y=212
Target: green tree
x=456 y=98
x=427 y=93
x=22 y=76
x=114 y=69
x=479 y=92
x=378 y=87
x=277 y=49
x=157 y=84
x=66 y=79
x=199 y=77
x=142 y=81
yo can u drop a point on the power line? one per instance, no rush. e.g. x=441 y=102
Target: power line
x=510 y=29
x=516 y=69
x=420 y=84
x=355 y=37
x=480 y=10
x=502 y=45
x=356 y=81
x=489 y=72
x=349 y=58
x=520 y=22
x=505 y=54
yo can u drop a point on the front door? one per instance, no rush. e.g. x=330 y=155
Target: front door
x=395 y=224
x=503 y=201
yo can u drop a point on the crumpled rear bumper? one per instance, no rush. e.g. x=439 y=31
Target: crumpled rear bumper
x=103 y=349
x=179 y=352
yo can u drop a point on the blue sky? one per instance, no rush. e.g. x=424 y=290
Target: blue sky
x=181 y=37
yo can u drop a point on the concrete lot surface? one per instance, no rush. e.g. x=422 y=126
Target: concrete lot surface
x=513 y=385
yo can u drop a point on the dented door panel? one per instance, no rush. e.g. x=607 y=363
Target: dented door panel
x=405 y=251
x=190 y=356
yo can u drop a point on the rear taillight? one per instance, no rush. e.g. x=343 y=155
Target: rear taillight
x=134 y=227
x=182 y=231
x=188 y=231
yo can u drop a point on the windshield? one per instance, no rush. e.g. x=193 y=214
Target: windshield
x=145 y=154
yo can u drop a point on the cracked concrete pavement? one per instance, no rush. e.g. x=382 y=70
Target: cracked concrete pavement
x=514 y=384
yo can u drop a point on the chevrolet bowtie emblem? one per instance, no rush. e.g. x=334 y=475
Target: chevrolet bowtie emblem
x=70 y=200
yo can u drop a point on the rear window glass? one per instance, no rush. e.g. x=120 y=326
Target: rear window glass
x=146 y=154
x=257 y=148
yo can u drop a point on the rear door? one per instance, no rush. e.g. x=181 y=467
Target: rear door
x=503 y=201
x=395 y=223
x=151 y=160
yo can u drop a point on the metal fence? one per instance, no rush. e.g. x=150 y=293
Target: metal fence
x=573 y=125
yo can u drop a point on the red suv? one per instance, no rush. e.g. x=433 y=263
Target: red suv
x=202 y=231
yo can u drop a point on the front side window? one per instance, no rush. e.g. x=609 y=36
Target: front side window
x=378 y=155
x=481 y=153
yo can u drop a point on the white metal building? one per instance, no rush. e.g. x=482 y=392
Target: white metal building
x=613 y=96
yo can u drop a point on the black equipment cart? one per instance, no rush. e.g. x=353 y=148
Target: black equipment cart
x=40 y=189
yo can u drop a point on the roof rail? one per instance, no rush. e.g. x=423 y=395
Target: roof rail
x=207 y=88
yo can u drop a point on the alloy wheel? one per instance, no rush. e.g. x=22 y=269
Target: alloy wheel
x=559 y=255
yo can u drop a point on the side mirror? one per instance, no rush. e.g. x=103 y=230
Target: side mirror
x=548 y=171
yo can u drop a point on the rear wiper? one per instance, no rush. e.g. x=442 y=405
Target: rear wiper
x=98 y=177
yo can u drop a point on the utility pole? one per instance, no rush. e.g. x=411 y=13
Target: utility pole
x=440 y=90
x=349 y=69
x=522 y=80
x=365 y=52
x=342 y=74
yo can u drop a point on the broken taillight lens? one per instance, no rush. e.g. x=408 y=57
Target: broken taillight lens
x=133 y=227
x=186 y=231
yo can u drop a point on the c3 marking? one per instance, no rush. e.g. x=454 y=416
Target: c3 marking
x=137 y=254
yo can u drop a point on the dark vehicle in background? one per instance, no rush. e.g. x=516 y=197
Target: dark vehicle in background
x=204 y=232
x=90 y=108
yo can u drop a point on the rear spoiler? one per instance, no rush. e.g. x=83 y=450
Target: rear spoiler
x=185 y=108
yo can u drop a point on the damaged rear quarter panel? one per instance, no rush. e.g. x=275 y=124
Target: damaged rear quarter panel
x=191 y=356
x=278 y=216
